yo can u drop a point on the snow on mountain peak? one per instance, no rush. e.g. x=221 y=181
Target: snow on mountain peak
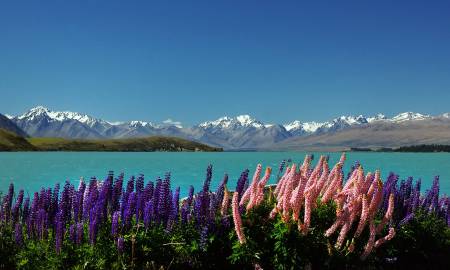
x=140 y=124
x=226 y=122
x=41 y=111
x=307 y=127
x=407 y=116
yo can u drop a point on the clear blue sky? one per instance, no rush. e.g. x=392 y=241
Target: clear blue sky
x=198 y=60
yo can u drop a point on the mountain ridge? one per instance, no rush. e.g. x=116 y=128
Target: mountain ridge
x=232 y=133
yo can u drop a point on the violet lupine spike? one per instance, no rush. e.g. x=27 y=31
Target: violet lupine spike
x=241 y=183
x=148 y=211
x=220 y=191
x=175 y=205
x=80 y=233
x=130 y=185
x=59 y=231
x=120 y=245
x=140 y=184
x=115 y=223
x=148 y=191
x=26 y=210
x=18 y=234
x=207 y=182
x=155 y=199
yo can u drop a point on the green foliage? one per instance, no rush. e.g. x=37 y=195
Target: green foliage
x=10 y=141
x=148 y=144
x=271 y=243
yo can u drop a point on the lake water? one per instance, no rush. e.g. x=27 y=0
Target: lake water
x=33 y=170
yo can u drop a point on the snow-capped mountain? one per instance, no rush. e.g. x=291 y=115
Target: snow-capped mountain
x=297 y=128
x=239 y=132
x=409 y=116
x=238 y=122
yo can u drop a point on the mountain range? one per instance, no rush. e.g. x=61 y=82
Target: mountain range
x=244 y=132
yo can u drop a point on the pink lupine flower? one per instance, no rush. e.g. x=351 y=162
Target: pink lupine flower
x=335 y=226
x=334 y=185
x=282 y=180
x=288 y=190
x=342 y=159
x=364 y=215
x=370 y=243
x=251 y=190
x=237 y=219
x=340 y=240
x=388 y=237
x=225 y=202
x=323 y=177
x=308 y=209
x=388 y=214
x=262 y=185
x=376 y=199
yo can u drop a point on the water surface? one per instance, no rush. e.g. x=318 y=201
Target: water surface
x=33 y=170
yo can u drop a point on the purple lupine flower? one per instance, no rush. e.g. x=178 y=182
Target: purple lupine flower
x=129 y=210
x=207 y=182
x=139 y=206
x=164 y=200
x=140 y=184
x=8 y=202
x=406 y=219
x=42 y=224
x=148 y=191
x=73 y=232
x=59 y=231
x=203 y=237
x=241 y=183
x=130 y=185
x=117 y=192
x=175 y=205
x=93 y=224
x=115 y=223
x=185 y=210
x=26 y=209
x=17 y=206
x=18 y=234
x=148 y=211
x=219 y=193
x=120 y=244
x=80 y=233
x=190 y=196
x=66 y=202
x=155 y=198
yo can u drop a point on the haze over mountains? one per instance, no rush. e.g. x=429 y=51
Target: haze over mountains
x=245 y=132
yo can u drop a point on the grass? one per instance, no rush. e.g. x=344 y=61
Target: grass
x=10 y=141
x=148 y=144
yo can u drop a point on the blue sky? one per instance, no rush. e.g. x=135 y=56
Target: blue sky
x=198 y=60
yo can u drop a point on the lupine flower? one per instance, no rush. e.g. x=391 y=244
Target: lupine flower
x=225 y=202
x=18 y=234
x=237 y=219
x=120 y=244
x=59 y=232
x=115 y=223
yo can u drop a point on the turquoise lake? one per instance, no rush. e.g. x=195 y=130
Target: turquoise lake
x=32 y=170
